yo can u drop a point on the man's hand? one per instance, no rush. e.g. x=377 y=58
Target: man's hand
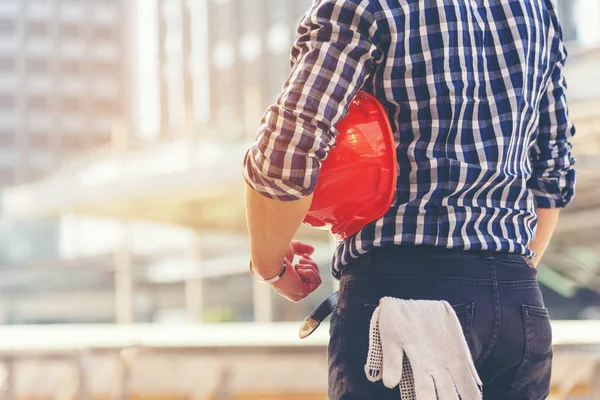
x=547 y=221
x=301 y=279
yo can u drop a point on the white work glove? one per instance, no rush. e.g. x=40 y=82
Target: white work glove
x=429 y=334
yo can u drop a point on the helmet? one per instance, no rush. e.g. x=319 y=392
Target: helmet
x=357 y=180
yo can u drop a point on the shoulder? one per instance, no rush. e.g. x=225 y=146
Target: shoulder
x=351 y=12
x=357 y=6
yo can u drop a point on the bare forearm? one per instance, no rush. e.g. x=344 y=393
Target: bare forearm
x=547 y=220
x=272 y=225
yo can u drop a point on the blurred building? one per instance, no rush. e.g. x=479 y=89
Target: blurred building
x=192 y=253
x=222 y=62
x=64 y=81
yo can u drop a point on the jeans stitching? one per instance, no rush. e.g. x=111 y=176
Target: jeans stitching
x=520 y=261
x=526 y=322
x=497 y=312
x=527 y=357
x=358 y=281
x=470 y=312
x=341 y=348
x=527 y=284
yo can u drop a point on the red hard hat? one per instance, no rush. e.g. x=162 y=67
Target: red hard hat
x=357 y=180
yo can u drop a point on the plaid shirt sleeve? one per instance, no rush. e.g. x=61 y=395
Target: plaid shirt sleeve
x=332 y=56
x=553 y=177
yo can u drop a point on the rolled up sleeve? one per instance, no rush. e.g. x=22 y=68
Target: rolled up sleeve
x=332 y=56
x=553 y=174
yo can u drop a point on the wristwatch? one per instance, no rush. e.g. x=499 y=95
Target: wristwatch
x=272 y=280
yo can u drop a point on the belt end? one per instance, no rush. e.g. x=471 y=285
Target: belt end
x=308 y=327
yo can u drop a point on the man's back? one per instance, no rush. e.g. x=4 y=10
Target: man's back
x=466 y=84
x=475 y=94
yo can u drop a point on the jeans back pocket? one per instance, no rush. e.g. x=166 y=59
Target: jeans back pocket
x=533 y=376
x=465 y=313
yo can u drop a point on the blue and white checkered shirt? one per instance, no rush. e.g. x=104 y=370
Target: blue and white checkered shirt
x=475 y=93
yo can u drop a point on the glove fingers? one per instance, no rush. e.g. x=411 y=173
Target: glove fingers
x=474 y=372
x=407 y=383
x=424 y=386
x=391 y=345
x=466 y=384
x=374 y=365
x=392 y=370
x=444 y=386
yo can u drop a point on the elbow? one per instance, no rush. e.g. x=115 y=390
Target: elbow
x=278 y=183
x=553 y=190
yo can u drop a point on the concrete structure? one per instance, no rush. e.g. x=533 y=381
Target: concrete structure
x=218 y=362
x=64 y=81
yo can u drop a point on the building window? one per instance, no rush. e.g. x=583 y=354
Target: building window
x=105 y=88
x=7 y=176
x=70 y=31
x=40 y=162
x=99 y=141
x=37 y=66
x=73 y=142
x=105 y=13
x=7 y=101
x=37 y=103
x=110 y=69
x=69 y=105
x=7 y=27
x=106 y=33
x=70 y=67
x=106 y=107
x=39 y=121
x=7 y=64
x=73 y=123
x=40 y=8
x=40 y=141
x=7 y=138
x=37 y=29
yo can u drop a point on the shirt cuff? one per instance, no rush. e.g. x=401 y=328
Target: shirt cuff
x=554 y=192
x=273 y=187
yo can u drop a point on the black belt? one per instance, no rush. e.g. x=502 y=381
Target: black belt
x=324 y=310
x=312 y=322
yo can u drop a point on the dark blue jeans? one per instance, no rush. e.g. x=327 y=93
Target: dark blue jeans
x=497 y=300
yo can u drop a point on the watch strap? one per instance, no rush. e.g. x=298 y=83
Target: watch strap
x=271 y=280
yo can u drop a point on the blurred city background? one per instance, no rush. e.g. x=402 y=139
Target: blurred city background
x=123 y=252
